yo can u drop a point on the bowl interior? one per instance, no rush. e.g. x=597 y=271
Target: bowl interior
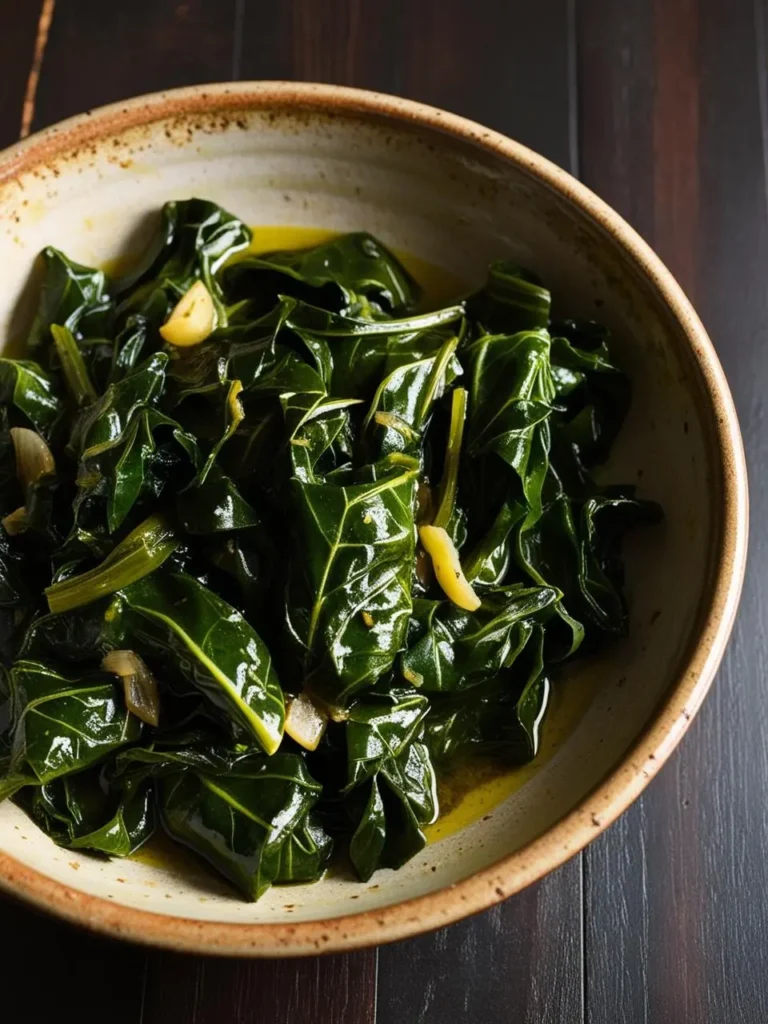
x=456 y=206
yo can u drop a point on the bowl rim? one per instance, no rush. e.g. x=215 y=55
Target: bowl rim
x=670 y=721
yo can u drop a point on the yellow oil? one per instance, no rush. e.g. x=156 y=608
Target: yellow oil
x=439 y=286
x=475 y=787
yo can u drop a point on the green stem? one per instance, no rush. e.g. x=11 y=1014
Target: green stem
x=142 y=551
x=72 y=365
x=452 y=455
x=437 y=376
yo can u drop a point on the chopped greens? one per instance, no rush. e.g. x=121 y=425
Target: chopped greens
x=280 y=548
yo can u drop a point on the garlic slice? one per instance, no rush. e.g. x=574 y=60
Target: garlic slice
x=33 y=456
x=139 y=685
x=192 y=319
x=304 y=722
x=445 y=562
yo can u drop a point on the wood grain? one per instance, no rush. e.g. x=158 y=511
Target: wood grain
x=18 y=31
x=320 y=990
x=102 y=52
x=520 y=962
x=480 y=58
x=671 y=135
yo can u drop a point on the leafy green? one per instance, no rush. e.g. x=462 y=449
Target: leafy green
x=390 y=771
x=355 y=548
x=243 y=820
x=577 y=546
x=450 y=649
x=503 y=716
x=79 y=814
x=362 y=276
x=510 y=404
x=215 y=507
x=241 y=518
x=71 y=295
x=196 y=239
x=64 y=724
x=351 y=355
x=28 y=388
x=403 y=403
x=105 y=421
x=512 y=300
x=210 y=644
x=140 y=553
x=73 y=366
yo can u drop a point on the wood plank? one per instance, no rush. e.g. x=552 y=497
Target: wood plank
x=49 y=966
x=107 y=52
x=18 y=32
x=671 y=134
x=479 y=59
x=323 y=990
x=519 y=962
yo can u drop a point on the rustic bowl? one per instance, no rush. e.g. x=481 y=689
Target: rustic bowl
x=458 y=195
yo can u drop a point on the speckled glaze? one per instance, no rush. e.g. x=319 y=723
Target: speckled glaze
x=458 y=195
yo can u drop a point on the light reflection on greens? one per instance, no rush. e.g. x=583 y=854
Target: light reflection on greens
x=241 y=518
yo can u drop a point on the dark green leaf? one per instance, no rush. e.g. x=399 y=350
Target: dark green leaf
x=73 y=366
x=25 y=386
x=215 y=507
x=319 y=435
x=206 y=640
x=105 y=421
x=77 y=812
x=352 y=355
x=64 y=723
x=305 y=855
x=402 y=406
x=510 y=404
x=360 y=276
x=390 y=769
x=195 y=241
x=70 y=294
x=450 y=649
x=138 y=555
x=512 y=300
x=353 y=563
x=503 y=716
x=242 y=821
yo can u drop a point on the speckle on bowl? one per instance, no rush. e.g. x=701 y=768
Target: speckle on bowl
x=458 y=195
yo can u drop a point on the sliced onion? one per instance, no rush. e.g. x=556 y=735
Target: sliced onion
x=139 y=685
x=305 y=722
x=33 y=456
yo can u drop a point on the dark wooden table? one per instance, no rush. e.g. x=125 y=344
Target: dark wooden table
x=660 y=106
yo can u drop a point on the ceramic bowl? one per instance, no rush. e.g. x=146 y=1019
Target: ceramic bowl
x=457 y=195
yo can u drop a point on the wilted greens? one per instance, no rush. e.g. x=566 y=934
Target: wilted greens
x=281 y=545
